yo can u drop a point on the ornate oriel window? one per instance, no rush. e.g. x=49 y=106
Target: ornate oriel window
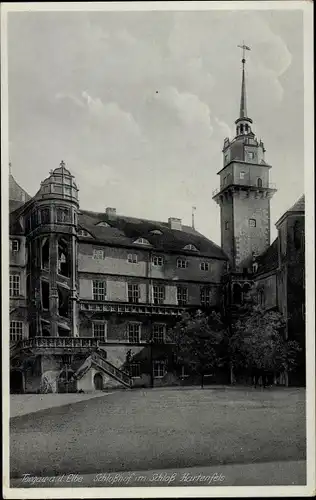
x=63 y=215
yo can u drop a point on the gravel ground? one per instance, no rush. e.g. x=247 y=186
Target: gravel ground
x=160 y=429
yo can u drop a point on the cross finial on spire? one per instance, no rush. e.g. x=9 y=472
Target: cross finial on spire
x=62 y=164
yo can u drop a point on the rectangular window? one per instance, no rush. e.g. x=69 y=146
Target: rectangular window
x=159 y=333
x=182 y=263
x=133 y=293
x=158 y=294
x=204 y=266
x=242 y=175
x=132 y=258
x=134 y=370
x=16 y=331
x=14 y=246
x=99 y=290
x=205 y=296
x=251 y=155
x=98 y=254
x=99 y=331
x=182 y=295
x=252 y=222
x=159 y=369
x=133 y=333
x=157 y=260
x=14 y=285
x=226 y=225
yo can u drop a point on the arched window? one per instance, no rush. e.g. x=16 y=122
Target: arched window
x=241 y=129
x=246 y=128
x=259 y=182
x=45 y=254
x=63 y=258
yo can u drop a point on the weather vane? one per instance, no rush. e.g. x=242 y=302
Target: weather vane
x=244 y=48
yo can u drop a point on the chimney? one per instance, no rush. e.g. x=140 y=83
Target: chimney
x=175 y=223
x=110 y=211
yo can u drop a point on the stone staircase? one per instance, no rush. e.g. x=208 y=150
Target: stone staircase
x=98 y=358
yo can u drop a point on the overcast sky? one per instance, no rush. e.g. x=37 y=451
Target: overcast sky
x=138 y=105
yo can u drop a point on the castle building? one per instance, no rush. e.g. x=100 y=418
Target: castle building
x=92 y=295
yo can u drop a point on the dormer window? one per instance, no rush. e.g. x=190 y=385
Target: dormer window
x=83 y=232
x=142 y=241
x=251 y=155
x=103 y=224
x=191 y=247
x=156 y=231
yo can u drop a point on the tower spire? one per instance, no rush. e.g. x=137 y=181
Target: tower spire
x=243 y=98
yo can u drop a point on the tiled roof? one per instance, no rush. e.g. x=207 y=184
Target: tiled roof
x=14 y=204
x=299 y=206
x=268 y=260
x=16 y=193
x=123 y=231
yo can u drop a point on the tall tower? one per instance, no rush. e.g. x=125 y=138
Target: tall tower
x=51 y=235
x=245 y=192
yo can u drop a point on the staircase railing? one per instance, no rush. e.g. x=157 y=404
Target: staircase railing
x=112 y=370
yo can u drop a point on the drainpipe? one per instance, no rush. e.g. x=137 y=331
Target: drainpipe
x=149 y=298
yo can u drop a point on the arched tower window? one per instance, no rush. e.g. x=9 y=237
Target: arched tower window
x=259 y=182
x=241 y=128
x=63 y=258
x=45 y=254
x=45 y=216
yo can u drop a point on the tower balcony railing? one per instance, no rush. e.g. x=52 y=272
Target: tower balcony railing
x=270 y=185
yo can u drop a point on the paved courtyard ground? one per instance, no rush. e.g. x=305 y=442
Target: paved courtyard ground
x=160 y=429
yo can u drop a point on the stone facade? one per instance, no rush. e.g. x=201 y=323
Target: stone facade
x=92 y=295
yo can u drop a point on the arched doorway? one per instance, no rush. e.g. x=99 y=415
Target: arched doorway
x=16 y=382
x=98 y=382
x=237 y=294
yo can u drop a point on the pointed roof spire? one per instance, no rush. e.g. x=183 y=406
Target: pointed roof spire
x=243 y=98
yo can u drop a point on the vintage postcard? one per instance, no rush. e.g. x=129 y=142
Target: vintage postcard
x=158 y=249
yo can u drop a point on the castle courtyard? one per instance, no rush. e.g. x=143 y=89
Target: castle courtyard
x=173 y=429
